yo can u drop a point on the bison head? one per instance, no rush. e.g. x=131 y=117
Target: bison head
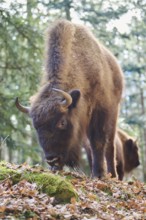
x=131 y=155
x=55 y=118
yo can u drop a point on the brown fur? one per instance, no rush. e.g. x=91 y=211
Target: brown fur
x=127 y=157
x=78 y=64
x=127 y=153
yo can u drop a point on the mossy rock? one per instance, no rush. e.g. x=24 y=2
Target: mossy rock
x=47 y=182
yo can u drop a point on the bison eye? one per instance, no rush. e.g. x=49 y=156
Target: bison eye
x=62 y=124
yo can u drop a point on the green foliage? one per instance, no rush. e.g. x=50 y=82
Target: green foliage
x=21 y=44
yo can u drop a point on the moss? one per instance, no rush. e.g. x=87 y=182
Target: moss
x=6 y=172
x=69 y=177
x=53 y=185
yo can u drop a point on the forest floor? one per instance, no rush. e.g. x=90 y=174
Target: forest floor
x=107 y=199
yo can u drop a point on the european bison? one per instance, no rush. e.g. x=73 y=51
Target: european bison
x=127 y=153
x=80 y=96
x=127 y=157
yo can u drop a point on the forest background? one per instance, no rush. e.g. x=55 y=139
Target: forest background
x=120 y=25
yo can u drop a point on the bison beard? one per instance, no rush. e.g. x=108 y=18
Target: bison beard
x=80 y=95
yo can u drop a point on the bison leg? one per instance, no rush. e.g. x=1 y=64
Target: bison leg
x=97 y=137
x=120 y=171
x=98 y=164
x=101 y=136
x=110 y=158
x=110 y=144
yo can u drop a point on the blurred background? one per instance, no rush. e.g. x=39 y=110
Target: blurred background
x=120 y=25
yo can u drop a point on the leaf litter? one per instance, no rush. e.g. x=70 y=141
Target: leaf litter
x=107 y=199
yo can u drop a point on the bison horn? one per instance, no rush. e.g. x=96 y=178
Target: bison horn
x=21 y=107
x=68 y=99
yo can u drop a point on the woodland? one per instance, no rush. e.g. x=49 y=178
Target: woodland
x=121 y=27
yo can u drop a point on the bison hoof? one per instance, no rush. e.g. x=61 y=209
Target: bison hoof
x=99 y=175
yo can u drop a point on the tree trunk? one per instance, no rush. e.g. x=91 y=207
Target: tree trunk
x=67 y=9
x=144 y=135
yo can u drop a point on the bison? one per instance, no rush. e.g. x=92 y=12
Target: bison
x=80 y=95
x=127 y=153
x=127 y=157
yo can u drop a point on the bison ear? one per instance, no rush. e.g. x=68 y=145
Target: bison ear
x=75 y=94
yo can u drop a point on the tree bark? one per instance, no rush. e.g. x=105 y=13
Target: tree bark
x=144 y=134
x=67 y=9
